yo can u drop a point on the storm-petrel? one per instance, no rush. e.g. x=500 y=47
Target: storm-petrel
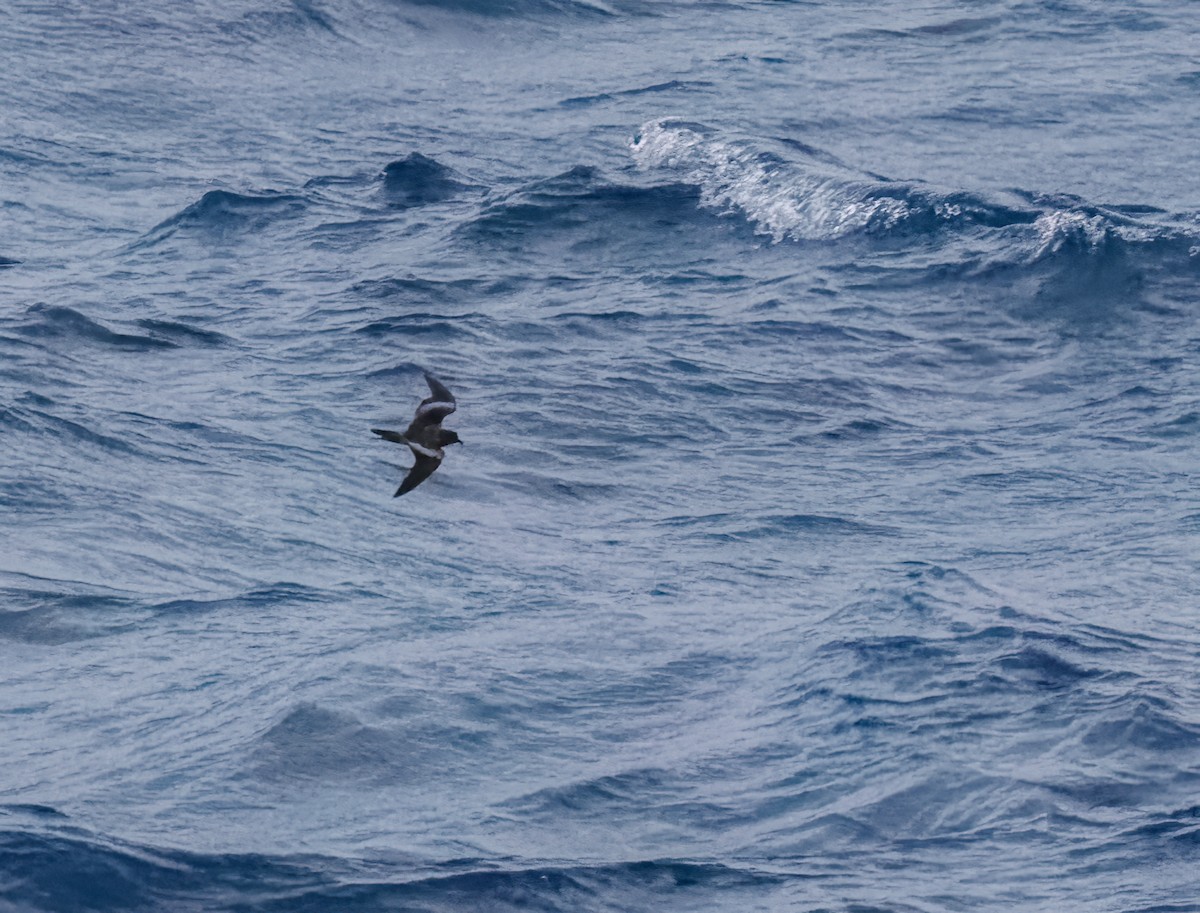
x=425 y=436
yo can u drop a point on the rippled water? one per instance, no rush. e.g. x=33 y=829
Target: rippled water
x=825 y=532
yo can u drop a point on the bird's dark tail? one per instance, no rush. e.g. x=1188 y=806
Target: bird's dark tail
x=394 y=436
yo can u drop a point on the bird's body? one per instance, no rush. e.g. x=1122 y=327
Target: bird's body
x=425 y=435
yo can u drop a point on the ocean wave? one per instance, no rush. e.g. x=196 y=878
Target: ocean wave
x=673 y=85
x=432 y=326
x=1141 y=724
x=1181 y=827
x=956 y=28
x=1068 y=226
x=67 y=431
x=582 y=204
x=413 y=289
x=180 y=333
x=739 y=527
x=49 y=865
x=418 y=180
x=223 y=214
x=270 y=24
x=254 y=600
x=51 y=617
x=808 y=199
x=631 y=790
x=63 y=323
x=314 y=742
x=58 y=612
x=790 y=191
x=64 y=869
x=520 y=9
x=1043 y=668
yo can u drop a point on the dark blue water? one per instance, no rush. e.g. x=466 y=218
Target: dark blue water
x=825 y=537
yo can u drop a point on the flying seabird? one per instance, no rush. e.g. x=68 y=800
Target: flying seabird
x=425 y=436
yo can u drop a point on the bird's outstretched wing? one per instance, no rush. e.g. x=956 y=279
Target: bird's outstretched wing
x=422 y=469
x=435 y=408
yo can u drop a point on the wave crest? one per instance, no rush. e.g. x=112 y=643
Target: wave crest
x=814 y=199
x=219 y=214
x=1070 y=250
x=416 y=180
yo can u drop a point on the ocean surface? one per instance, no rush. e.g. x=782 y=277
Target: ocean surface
x=826 y=532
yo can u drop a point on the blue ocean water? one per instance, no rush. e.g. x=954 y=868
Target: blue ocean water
x=826 y=529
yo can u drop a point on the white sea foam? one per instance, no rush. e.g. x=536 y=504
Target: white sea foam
x=781 y=200
x=1058 y=228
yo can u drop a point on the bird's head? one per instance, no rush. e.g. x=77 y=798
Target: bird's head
x=447 y=437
